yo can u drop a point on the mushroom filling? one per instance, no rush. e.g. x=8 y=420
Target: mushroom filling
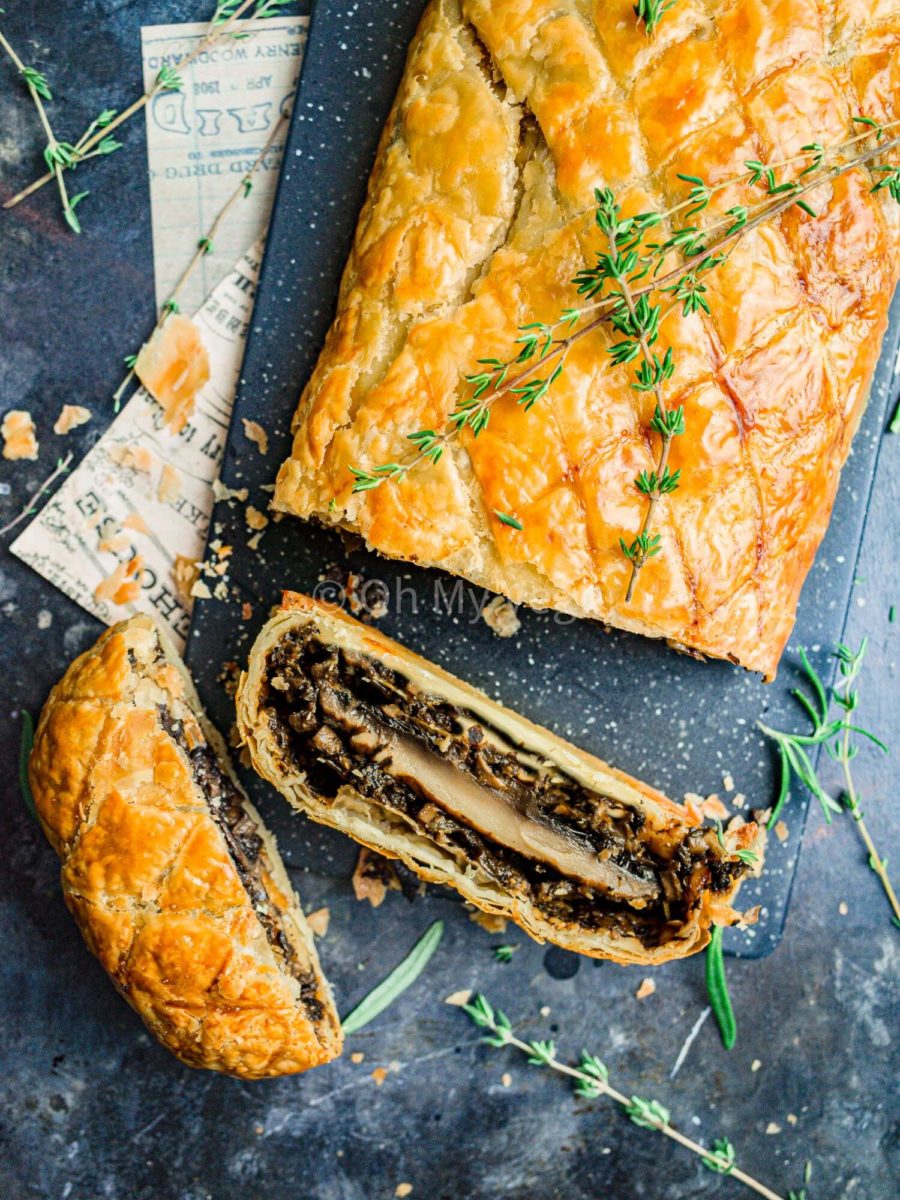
x=581 y=857
x=247 y=852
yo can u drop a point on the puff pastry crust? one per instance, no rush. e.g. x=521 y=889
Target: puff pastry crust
x=478 y=215
x=177 y=888
x=359 y=733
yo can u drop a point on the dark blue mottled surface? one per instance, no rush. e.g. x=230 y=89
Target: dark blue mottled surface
x=90 y=1107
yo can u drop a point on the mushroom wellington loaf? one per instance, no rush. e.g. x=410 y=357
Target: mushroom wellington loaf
x=481 y=213
x=176 y=885
x=361 y=734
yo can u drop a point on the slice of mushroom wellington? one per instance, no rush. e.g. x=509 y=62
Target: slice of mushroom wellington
x=366 y=737
x=168 y=869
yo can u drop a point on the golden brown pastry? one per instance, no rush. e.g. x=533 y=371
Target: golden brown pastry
x=176 y=885
x=480 y=212
x=365 y=736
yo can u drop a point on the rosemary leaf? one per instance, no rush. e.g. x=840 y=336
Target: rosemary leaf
x=717 y=989
x=393 y=985
x=25 y=745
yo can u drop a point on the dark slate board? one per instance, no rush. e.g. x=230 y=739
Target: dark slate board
x=679 y=724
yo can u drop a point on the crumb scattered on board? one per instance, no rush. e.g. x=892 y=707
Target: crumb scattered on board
x=458 y=999
x=318 y=921
x=773 y=1127
x=506 y=1079
x=781 y=831
x=255 y=433
x=843 y=908
x=728 y=781
x=254 y=518
x=545 y=1010
x=19 y=439
x=71 y=416
x=380 y=1074
x=647 y=988
x=44 y=618
x=223 y=492
x=357 y=1056
x=501 y=617
x=755 y=1065
x=403 y=1189
x=369 y=881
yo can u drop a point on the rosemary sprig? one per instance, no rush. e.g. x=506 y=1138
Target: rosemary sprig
x=28 y=509
x=91 y=142
x=592 y=1081
x=204 y=247
x=634 y=264
x=651 y=12
x=25 y=744
x=404 y=974
x=717 y=989
x=838 y=735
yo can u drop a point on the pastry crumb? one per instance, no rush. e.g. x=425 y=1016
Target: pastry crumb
x=843 y=908
x=174 y=367
x=755 y=1065
x=506 y=1079
x=123 y=586
x=200 y=591
x=357 y=1056
x=403 y=1189
x=700 y=808
x=781 y=831
x=255 y=433
x=134 y=458
x=489 y=921
x=19 y=439
x=773 y=1127
x=544 y=1010
x=169 y=487
x=185 y=573
x=728 y=781
x=136 y=522
x=254 y=518
x=379 y=1075
x=71 y=416
x=318 y=921
x=253 y=542
x=458 y=999
x=501 y=617
x=44 y=618
x=647 y=988
x=246 y=610
x=792 y=1118
x=222 y=492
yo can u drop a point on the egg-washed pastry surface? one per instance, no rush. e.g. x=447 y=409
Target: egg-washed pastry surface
x=365 y=736
x=175 y=883
x=479 y=214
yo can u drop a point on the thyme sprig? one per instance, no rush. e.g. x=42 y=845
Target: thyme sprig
x=839 y=737
x=204 y=247
x=631 y=288
x=96 y=138
x=651 y=12
x=57 y=154
x=28 y=509
x=592 y=1081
